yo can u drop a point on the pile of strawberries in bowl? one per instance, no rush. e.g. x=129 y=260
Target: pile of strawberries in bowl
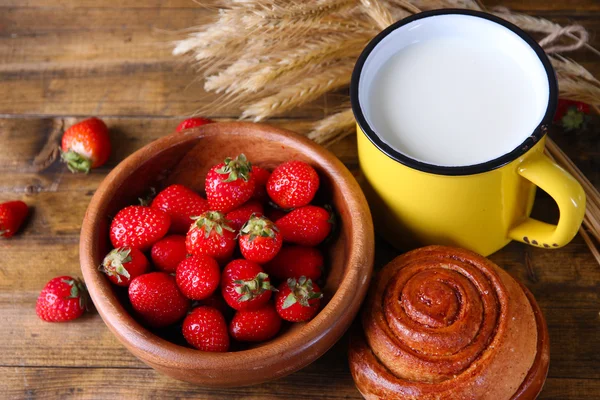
x=231 y=268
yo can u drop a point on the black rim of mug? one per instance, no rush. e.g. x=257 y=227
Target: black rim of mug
x=531 y=140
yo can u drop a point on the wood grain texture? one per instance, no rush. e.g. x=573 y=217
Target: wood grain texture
x=61 y=60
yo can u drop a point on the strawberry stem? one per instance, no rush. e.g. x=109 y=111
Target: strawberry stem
x=212 y=220
x=236 y=168
x=258 y=226
x=248 y=289
x=76 y=162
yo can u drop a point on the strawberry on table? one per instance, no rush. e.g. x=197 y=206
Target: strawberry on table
x=181 y=204
x=260 y=240
x=139 y=227
x=198 y=277
x=261 y=177
x=193 y=122
x=229 y=184
x=255 y=325
x=307 y=226
x=211 y=235
x=238 y=217
x=298 y=299
x=156 y=298
x=293 y=184
x=295 y=262
x=12 y=215
x=124 y=264
x=205 y=329
x=245 y=286
x=571 y=113
x=168 y=252
x=63 y=299
x=85 y=145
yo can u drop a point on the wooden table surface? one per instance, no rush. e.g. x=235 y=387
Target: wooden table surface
x=66 y=59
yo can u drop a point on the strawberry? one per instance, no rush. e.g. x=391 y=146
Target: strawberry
x=63 y=299
x=123 y=265
x=260 y=240
x=571 y=114
x=168 y=252
x=238 y=217
x=192 y=123
x=12 y=215
x=181 y=204
x=156 y=298
x=139 y=227
x=229 y=184
x=198 y=277
x=293 y=184
x=307 y=226
x=85 y=145
x=298 y=300
x=261 y=177
x=206 y=329
x=255 y=325
x=211 y=235
x=245 y=286
x=294 y=262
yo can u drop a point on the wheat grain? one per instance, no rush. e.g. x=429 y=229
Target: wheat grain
x=302 y=92
x=378 y=12
x=333 y=127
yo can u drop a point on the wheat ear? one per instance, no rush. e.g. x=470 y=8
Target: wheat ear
x=305 y=90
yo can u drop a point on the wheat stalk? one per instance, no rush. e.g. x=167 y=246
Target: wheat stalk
x=306 y=90
x=333 y=128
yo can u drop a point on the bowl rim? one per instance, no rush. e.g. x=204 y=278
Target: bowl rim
x=338 y=313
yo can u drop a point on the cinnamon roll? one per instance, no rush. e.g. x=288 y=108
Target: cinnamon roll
x=446 y=323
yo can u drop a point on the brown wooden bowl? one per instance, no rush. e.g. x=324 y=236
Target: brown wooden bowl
x=185 y=158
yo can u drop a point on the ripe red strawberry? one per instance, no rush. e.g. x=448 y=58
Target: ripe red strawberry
x=168 y=252
x=206 y=329
x=245 y=286
x=260 y=240
x=139 y=227
x=294 y=262
x=211 y=235
x=181 y=204
x=255 y=325
x=293 y=184
x=85 y=145
x=192 y=123
x=238 y=217
x=261 y=177
x=307 y=226
x=298 y=300
x=63 y=299
x=156 y=298
x=198 y=277
x=123 y=265
x=229 y=184
x=12 y=215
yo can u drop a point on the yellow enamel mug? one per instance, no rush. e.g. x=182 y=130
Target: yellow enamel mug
x=481 y=207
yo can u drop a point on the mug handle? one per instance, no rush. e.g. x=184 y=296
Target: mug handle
x=568 y=194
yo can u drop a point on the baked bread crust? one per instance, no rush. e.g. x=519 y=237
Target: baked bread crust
x=446 y=323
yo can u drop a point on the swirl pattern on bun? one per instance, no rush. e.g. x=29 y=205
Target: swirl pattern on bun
x=442 y=322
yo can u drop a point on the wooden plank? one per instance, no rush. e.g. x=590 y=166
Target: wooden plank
x=317 y=381
x=83 y=61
